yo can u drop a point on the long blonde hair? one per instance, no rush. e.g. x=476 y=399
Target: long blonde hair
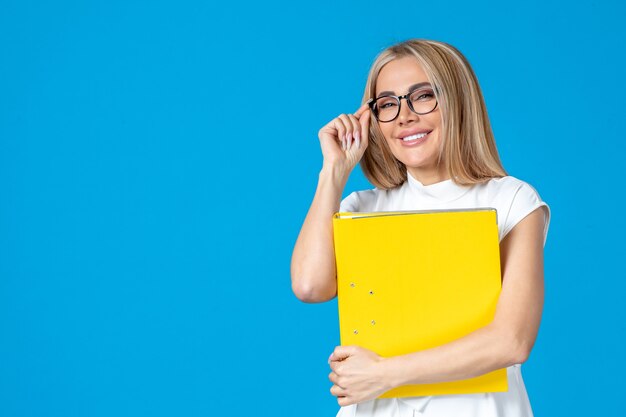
x=468 y=147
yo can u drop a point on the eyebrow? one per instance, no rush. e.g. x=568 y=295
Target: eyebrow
x=411 y=89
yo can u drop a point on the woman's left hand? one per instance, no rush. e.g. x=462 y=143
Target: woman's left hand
x=357 y=375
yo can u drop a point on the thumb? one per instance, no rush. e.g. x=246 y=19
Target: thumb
x=341 y=352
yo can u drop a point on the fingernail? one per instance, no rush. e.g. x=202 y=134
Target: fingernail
x=358 y=142
x=343 y=145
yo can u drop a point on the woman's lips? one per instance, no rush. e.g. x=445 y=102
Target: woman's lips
x=415 y=142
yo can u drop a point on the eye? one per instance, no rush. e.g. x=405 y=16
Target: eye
x=422 y=95
x=386 y=102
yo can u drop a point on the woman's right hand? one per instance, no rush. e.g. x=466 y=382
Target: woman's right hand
x=345 y=138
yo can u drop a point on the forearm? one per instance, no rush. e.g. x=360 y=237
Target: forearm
x=313 y=261
x=480 y=352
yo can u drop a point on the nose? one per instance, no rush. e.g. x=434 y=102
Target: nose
x=406 y=115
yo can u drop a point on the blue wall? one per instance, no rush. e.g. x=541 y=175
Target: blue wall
x=158 y=158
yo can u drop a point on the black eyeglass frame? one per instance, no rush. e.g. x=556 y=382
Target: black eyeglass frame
x=372 y=101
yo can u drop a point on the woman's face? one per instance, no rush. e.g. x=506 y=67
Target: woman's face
x=419 y=153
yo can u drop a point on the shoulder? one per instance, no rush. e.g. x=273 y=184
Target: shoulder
x=365 y=200
x=506 y=190
x=505 y=185
x=356 y=200
x=515 y=199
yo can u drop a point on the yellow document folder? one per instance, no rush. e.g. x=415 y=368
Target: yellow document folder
x=414 y=280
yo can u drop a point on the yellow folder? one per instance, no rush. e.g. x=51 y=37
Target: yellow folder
x=413 y=280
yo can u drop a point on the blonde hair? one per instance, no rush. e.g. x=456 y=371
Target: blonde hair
x=468 y=147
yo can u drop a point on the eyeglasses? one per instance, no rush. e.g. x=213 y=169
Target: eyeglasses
x=387 y=108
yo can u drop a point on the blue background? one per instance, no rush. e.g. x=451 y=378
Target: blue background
x=157 y=160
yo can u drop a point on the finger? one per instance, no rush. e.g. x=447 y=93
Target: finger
x=349 y=129
x=344 y=401
x=364 y=123
x=356 y=129
x=333 y=377
x=361 y=109
x=337 y=391
x=332 y=130
x=335 y=365
x=342 y=130
x=342 y=352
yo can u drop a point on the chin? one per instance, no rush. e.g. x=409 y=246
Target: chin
x=421 y=164
x=417 y=161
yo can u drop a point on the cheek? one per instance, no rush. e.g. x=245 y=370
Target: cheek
x=386 y=131
x=435 y=120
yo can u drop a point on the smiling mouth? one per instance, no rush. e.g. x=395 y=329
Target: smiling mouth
x=415 y=137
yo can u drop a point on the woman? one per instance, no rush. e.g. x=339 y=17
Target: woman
x=424 y=140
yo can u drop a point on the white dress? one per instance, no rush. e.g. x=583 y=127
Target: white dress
x=513 y=200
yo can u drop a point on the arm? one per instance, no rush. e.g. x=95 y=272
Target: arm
x=507 y=340
x=313 y=273
x=313 y=261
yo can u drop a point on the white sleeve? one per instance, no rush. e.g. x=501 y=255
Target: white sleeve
x=350 y=203
x=525 y=201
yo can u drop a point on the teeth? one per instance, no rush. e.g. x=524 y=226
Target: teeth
x=413 y=137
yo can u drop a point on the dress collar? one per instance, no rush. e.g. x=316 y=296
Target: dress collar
x=444 y=191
